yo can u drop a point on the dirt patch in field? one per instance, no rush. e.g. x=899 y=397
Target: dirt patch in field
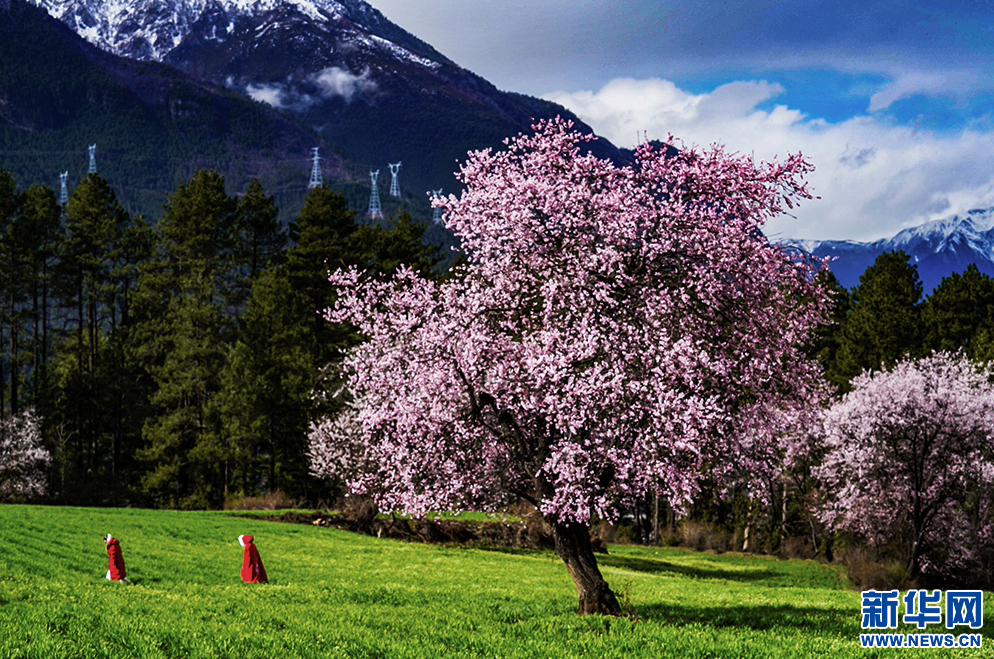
x=529 y=534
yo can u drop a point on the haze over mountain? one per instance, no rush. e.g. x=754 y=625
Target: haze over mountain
x=376 y=92
x=938 y=248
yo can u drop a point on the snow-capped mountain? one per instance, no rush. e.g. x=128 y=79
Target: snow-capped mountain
x=938 y=248
x=153 y=125
x=374 y=90
x=151 y=29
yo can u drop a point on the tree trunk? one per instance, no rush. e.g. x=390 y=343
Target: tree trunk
x=573 y=546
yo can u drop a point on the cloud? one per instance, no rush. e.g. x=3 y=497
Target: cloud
x=874 y=177
x=334 y=81
x=270 y=94
x=906 y=85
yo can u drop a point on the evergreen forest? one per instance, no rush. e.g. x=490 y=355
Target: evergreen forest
x=180 y=362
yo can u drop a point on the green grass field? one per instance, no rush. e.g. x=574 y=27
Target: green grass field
x=335 y=594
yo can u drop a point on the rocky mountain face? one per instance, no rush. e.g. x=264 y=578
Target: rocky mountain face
x=938 y=248
x=374 y=90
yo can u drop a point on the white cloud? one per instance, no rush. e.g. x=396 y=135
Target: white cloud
x=266 y=93
x=874 y=178
x=906 y=85
x=334 y=81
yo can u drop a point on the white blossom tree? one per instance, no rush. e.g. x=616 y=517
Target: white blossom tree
x=23 y=459
x=908 y=453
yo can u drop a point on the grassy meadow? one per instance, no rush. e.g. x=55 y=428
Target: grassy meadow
x=336 y=594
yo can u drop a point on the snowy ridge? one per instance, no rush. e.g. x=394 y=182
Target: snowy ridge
x=973 y=229
x=151 y=29
x=938 y=248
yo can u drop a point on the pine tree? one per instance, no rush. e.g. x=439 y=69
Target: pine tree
x=265 y=400
x=182 y=435
x=88 y=294
x=94 y=229
x=260 y=239
x=828 y=337
x=11 y=281
x=382 y=250
x=960 y=307
x=885 y=322
x=321 y=236
x=40 y=214
x=186 y=306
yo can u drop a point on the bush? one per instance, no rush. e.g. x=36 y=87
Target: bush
x=269 y=501
x=798 y=547
x=868 y=572
x=702 y=536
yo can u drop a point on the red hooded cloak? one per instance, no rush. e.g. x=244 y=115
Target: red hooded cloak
x=252 y=568
x=115 y=562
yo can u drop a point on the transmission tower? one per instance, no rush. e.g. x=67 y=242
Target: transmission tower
x=315 y=170
x=436 y=215
x=93 y=159
x=375 y=210
x=64 y=194
x=394 y=184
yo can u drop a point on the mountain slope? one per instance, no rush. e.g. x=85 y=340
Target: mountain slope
x=153 y=125
x=377 y=92
x=938 y=248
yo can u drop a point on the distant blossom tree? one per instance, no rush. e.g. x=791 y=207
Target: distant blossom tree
x=335 y=450
x=910 y=458
x=614 y=331
x=337 y=453
x=23 y=459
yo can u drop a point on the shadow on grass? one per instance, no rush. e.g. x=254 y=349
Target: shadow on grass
x=513 y=551
x=757 y=618
x=648 y=565
x=658 y=566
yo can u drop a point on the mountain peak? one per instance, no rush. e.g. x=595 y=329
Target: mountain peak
x=938 y=248
x=152 y=29
x=972 y=226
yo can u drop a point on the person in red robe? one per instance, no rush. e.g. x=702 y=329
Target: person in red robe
x=115 y=560
x=252 y=569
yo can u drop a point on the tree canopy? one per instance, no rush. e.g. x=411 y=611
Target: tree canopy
x=908 y=459
x=614 y=331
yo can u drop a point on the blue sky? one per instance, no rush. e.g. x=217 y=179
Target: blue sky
x=892 y=101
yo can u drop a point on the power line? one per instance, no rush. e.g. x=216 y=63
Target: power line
x=394 y=184
x=315 y=170
x=375 y=210
x=436 y=212
x=64 y=194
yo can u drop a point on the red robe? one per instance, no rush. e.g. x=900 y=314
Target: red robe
x=252 y=569
x=115 y=563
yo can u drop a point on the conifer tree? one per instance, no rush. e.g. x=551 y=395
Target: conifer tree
x=86 y=288
x=187 y=309
x=11 y=267
x=382 y=250
x=321 y=234
x=960 y=308
x=265 y=400
x=885 y=322
x=40 y=214
x=828 y=338
x=259 y=239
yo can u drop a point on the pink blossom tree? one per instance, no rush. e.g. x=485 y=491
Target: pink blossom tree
x=23 y=458
x=907 y=451
x=615 y=331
